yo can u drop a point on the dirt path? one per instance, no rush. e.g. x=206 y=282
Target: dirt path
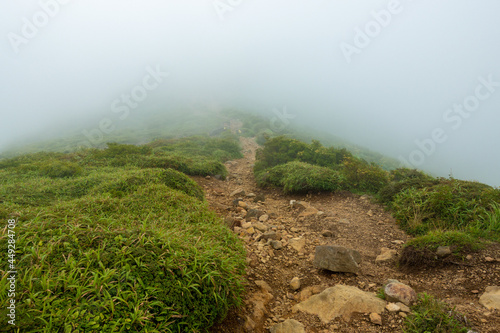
x=352 y=221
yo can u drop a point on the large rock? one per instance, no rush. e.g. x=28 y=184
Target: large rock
x=396 y=291
x=337 y=259
x=341 y=301
x=491 y=298
x=288 y=326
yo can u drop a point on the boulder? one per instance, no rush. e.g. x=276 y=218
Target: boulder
x=396 y=291
x=337 y=259
x=491 y=298
x=340 y=301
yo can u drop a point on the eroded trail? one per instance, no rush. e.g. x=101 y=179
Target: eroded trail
x=281 y=240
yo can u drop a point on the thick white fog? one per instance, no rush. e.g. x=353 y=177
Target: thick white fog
x=416 y=80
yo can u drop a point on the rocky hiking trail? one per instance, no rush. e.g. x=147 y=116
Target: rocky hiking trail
x=287 y=292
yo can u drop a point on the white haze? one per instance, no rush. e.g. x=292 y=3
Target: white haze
x=264 y=54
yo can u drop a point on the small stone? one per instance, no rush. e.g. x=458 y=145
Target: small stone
x=208 y=177
x=264 y=218
x=489 y=259
x=396 y=291
x=402 y=314
x=443 y=251
x=238 y=192
x=297 y=243
x=250 y=195
x=243 y=204
x=327 y=233
x=475 y=291
x=261 y=227
x=276 y=244
x=403 y=307
x=288 y=326
x=250 y=231
x=269 y=235
x=263 y=284
x=259 y=197
x=385 y=255
x=370 y=213
x=295 y=283
x=392 y=307
x=468 y=257
x=246 y=225
x=308 y=212
x=398 y=242
x=375 y=318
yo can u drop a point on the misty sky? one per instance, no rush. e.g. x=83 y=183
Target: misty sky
x=416 y=80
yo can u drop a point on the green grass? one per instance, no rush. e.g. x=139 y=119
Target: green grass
x=449 y=204
x=432 y=315
x=296 y=177
x=297 y=167
x=458 y=241
x=117 y=247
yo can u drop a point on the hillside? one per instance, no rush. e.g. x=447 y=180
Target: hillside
x=236 y=233
x=281 y=247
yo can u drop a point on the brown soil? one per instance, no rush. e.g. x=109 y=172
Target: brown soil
x=357 y=223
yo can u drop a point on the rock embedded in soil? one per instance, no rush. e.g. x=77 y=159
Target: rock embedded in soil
x=276 y=244
x=340 y=301
x=238 y=192
x=295 y=283
x=491 y=298
x=396 y=291
x=297 y=243
x=443 y=251
x=308 y=212
x=288 y=326
x=385 y=255
x=375 y=318
x=392 y=307
x=337 y=259
x=254 y=213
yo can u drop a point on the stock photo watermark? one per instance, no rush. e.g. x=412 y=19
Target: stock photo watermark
x=122 y=106
x=281 y=120
x=364 y=35
x=30 y=28
x=11 y=271
x=453 y=116
x=222 y=7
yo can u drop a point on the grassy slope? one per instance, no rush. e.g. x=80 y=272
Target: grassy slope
x=107 y=243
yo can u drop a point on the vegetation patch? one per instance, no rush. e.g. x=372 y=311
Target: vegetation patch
x=420 y=252
x=116 y=247
x=432 y=315
x=301 y=177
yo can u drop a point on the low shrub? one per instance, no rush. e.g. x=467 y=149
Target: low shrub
x=449 y=204
x=364 y=177
x=281 y=150
x=301 y=177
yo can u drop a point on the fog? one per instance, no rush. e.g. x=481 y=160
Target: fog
x=416 y=80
